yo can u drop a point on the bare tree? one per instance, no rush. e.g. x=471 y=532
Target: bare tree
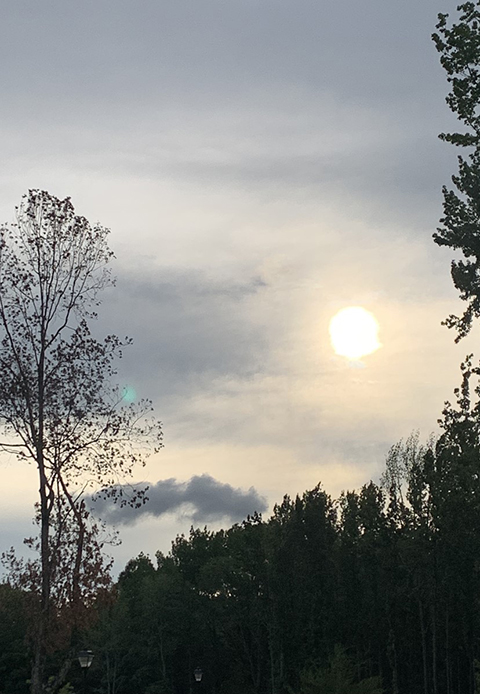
x=58 y=406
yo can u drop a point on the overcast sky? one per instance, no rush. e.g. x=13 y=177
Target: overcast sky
x=261 y=164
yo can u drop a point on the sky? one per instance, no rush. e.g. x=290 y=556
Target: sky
x=261 y=164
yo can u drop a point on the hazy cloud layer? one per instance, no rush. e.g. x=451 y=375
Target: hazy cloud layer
x=203 y=499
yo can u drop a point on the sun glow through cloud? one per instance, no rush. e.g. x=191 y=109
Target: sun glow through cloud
x=354 y=332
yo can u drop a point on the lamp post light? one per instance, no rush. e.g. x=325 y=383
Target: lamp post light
x=85 y=659
x=198 y=674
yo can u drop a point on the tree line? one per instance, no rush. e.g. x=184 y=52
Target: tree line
x=376 y=591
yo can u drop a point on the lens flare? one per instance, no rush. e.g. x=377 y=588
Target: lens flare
x=129 y=394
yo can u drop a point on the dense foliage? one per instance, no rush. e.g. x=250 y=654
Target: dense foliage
x=375 y=592
x=459 y=48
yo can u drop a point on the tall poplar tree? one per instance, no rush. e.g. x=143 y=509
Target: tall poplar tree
x=58 y=407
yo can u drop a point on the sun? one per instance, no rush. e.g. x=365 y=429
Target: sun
x=354 y=332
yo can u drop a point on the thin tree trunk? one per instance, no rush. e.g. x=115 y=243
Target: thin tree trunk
x=392 y=655
x=162 y=654
x=111 y=673
x=272 y=665
x=38 y=664
x=447 y=650
x=424 y=647
x=39 y=645
x=434 y=651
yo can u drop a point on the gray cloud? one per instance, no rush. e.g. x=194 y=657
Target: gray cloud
x=187 y=329
x=118 y=87
x=159 y=51
x=202 y=498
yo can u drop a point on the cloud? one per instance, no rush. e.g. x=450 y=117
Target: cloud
x=158 y=51
x=202 y=498
x=188 y=329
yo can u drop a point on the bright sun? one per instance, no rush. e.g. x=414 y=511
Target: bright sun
x=354 y=332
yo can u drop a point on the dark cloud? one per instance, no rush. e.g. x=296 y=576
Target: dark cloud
x=202 y=498
x=186 y=328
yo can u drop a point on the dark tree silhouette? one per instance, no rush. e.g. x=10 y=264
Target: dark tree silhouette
x=58 y=407
x=459 y=48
